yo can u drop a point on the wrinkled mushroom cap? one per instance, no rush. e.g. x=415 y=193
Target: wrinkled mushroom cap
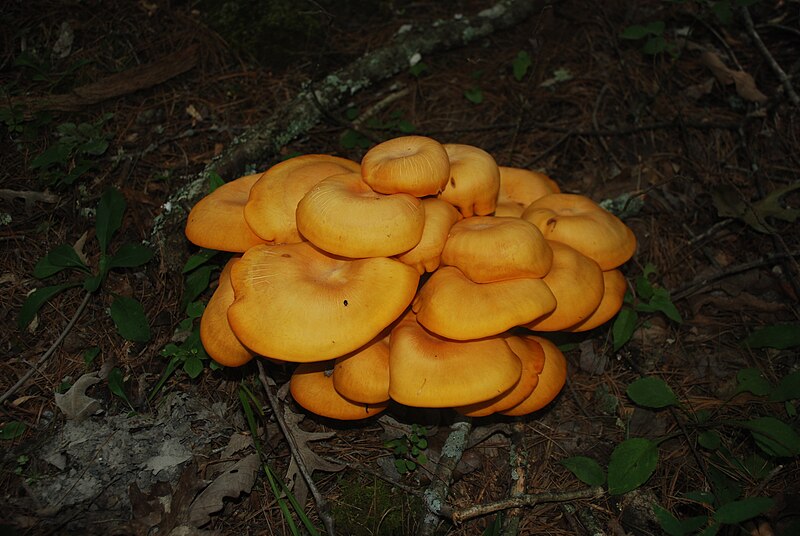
x=363 y=375
x=488 y=248
x=577 y=283
x=429 y=371
x=312 y=387
x=215 y=332
x=413 y=165
x=439 y=218
x=614 y=294
x=552 y=378
x=217 y=220
x=579 y=222
x=344 y=216
x=531 y=355
x=521 y=187
x=474 y=180
x=453 y=306
x=270 y=209
x=297 y=303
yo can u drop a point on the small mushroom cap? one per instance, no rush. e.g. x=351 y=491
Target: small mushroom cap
x=453 y=306
x=270 y=209
x=531 y=355
x=312 y=387
x=579 y=222
x=439 y=218
x=344 y=216
x=363 y=376
x=474 y=180
x=613 y=296
x=429 y=371
x=551 y=380
x=521 y=187
x=217 y=220
x=215 y=332
x=297 y=303
x=577 y=283
x=413 y=165
x=488 y=248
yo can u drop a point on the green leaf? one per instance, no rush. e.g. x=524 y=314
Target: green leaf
x=670 y=524
x=109 y=216
x=351 y=139
x=61 y=257
x=406 y=127
x=633 y=32
x=752 y=381
x=632 y=463
x=623 y=327
x=116 y=384
x=90 y=354
x=655 y=28
x=652 y=392
x=709 y=439
x=196 y=283
x=654 y=45
x=787 y=389
x=474 y=95
x=198 y=259
x=521 y=65
x=214 y=181
x=130 y=255
x=36 y=300
x=12 y=430
x=128 y=315
x=739 y=511
x=193 y=366
x=94 y=146
x=55 y=154
x=418 y=69
x=422 y=459
x=773 y=436
x=195 y=309
x=662 y=302
x=400 y=465
x=92 y=283
x=586 y=470
x=781 y=337
x=703 y=497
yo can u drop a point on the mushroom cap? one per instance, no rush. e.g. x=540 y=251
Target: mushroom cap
x=344 y=216
x=578 y=221
x=451 y=305
x=363 y=375
x=429 y=371
x=217 y=220
x=297 y=303
x=488 y=248
x=521 y=187
x=614 y=294
x=552 y=378
x=413 y=165
x=474 y=180
x=215 y=332
x=577 y=283
x=271 y=207
x=439 y=218
x=312 y=387
x=531 y=355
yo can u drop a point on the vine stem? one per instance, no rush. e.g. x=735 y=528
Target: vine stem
x=50 y=351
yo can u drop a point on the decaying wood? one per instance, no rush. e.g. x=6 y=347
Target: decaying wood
x=265 y=139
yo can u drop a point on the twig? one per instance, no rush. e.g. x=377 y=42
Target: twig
x=530 y=499
x=435 y=496
x=781 y=74
x=50 y=350
x=518 y=457
x=322 y=505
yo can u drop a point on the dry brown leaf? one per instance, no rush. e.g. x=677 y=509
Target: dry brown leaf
x=74 y=403
x=745 y=85
x=232 y=483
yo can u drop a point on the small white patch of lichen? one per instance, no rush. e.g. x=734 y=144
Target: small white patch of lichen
x=5 y=218
x=454 y=445
x=404 y=28
x=493 y=12
x=414 y=59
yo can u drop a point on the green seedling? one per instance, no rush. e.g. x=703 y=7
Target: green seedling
x=474 y=93
x=127 y=313
x=12 y=430
x=651 y=35
x=522 y=62
x=409 y=449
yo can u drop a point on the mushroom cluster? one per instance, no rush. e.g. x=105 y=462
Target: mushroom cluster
x=424 y=275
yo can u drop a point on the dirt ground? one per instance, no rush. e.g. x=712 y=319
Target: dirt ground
x=687 y=124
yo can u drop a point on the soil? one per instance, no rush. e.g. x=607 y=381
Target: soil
x=688 y=132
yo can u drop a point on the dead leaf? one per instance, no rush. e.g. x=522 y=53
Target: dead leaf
x=745 y=85
x=730 y=204
x=232 y=483
x=74 y=403
x=697 y=91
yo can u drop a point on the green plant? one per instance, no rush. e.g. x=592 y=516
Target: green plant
x=650 y=298
x=522 y=62
x=409 y=449
x=652 y=37
x=634 y=460
x=73 y=154
x=351 y=139
x=127 y=313
x=12 y=430
x=474 y=93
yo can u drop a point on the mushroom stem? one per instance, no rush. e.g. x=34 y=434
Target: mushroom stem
x=323 y=509
x=435 y=496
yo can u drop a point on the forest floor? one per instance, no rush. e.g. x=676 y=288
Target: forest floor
x=670 y=108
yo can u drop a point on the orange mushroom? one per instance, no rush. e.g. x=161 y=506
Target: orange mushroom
x=413 y=165
x=552 y=378
x=615 y=286
x=363 y=376
x=521 y=187
x=439 y=218
x=311 y=386
x=217 y=220
x=474 y=180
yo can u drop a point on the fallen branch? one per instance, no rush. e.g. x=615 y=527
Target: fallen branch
x=518 y=458
x=264 y=140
